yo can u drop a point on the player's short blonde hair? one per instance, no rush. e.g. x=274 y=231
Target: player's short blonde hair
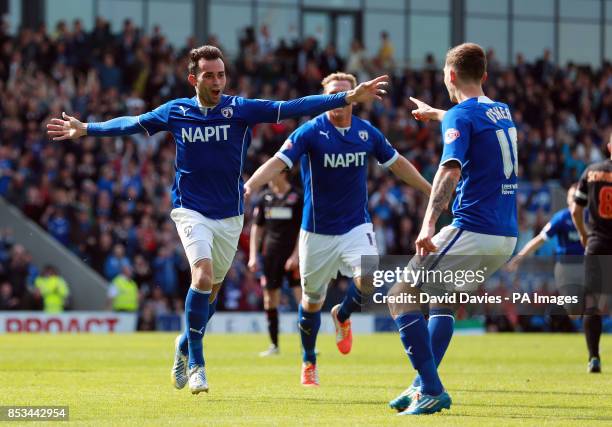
x=342 y=77
x=468 y=60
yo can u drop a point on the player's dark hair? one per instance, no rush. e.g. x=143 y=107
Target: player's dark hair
x=207 y=52
x=469 y=61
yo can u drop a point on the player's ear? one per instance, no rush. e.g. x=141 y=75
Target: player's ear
x=192 y=79
x=485 y=76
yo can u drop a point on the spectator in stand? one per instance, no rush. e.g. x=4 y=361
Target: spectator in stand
x=52 y=289
x=116 y=262
x=385 y=56
x=123 y=291
x=8 y=301
x=356 y=63
x=164 y=267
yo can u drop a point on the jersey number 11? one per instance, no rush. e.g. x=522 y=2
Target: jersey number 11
x=509 y=166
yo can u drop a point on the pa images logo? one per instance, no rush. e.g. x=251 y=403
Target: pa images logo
x=227 y=112
x=187 y=230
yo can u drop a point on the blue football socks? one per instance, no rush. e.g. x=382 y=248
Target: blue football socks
x=415 y=338
x=309 y=324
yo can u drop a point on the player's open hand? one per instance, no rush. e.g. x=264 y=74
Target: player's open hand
x=424 y=244
x=69 y=128
x=425 y=112
x=369 y=91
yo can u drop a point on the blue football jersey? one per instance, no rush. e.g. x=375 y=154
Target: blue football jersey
x=334 y=168
x=568 y=238
x=480 y=134
x=212 y=143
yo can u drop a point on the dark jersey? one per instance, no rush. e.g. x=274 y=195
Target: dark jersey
x=595 y=191
x=281 y=215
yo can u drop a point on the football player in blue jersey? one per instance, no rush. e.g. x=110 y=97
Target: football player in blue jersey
x=212 y=132
x=569 y=270
x=479 y=160
x=569 y=265
x=336 y=230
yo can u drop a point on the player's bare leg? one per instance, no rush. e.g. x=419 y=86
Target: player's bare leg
x=297 y=294
x=271 y=303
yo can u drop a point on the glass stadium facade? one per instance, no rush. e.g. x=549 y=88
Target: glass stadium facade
x=573 y=30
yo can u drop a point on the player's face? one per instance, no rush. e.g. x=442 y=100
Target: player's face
x=343 y=113
x=449 y=78
x=210 y=81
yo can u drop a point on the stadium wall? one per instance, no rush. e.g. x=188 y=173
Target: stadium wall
x=87 y=288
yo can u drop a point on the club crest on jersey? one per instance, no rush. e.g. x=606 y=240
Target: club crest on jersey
x=363 y=134
x=187 y=230
x=227 y=112
x=451 y=135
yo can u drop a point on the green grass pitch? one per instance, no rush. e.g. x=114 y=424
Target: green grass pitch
x=497 y=379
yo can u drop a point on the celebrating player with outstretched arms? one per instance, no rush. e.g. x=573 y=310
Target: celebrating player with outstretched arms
x=212 y=132
x=336 y=230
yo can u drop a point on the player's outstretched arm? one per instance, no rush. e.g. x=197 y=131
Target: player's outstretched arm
x=263 y=175
x=404 y=170
x=445 y=183
x=424 y=112
x=265 y=111
x=577 y=212
x=72 y=128
x=531 y=246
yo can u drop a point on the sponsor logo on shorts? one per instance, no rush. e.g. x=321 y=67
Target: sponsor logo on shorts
x=187 y=230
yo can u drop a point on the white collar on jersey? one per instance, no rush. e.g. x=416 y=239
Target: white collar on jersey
x=343 y=131
x=485 y=100
x=203 y=108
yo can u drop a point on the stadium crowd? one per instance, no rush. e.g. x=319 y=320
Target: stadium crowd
x=108 y=199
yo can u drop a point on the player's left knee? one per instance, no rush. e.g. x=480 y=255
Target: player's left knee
x=310 y=306
x=399 y=300
x=201 y=278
